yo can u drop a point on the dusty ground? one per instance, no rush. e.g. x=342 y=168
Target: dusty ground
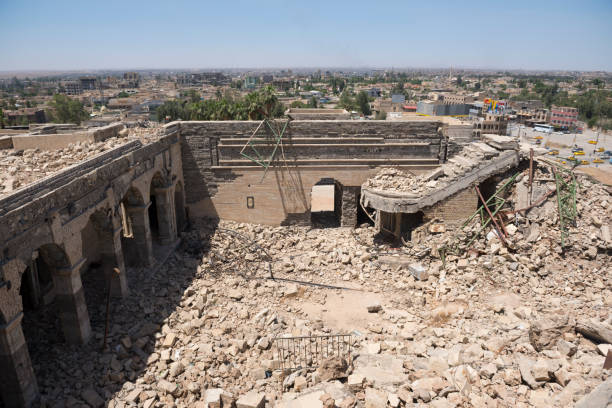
x=496 y=326
x=203 y=325
x=603 y=174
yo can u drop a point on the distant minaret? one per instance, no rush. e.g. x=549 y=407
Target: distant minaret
x=450 y=75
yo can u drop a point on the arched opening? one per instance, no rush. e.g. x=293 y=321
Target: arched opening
x=133 y=233
x=41 y=313
x=179 y=207
x=154 y=209
x=103 y=254
x=153 y=219
x=326 y=203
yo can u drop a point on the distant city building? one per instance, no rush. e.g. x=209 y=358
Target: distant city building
x=25 y=116
x=88 y=83
x=266 y=79
x=73 y=88
x=373 y=92
x=250 y=82
x=451 y=99
x=282 y=84
x=211 y=78
x=563 y=116
x=130 y=80
x=526 y=105
x=439 y=108
x=398 y=98
x=491 y=124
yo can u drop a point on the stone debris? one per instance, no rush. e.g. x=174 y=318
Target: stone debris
x=495 y=326
x=468 y=158
x=19 y=168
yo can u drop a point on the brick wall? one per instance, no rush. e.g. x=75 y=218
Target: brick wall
x=219 y=189
x=454 y=209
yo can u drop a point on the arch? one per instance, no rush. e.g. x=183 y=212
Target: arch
x=326 y=203
x=157 y=181
x=133 y=197
x=135 y=235
x=179 y=206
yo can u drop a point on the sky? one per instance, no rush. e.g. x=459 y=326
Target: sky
x=133 y=34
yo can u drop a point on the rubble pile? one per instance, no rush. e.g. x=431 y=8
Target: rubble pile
x=471 y=156
x=19 y=168
x=524 y=325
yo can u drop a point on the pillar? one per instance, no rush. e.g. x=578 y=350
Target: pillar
x=112 y=257
x=71 y=304
x=141 y=231
x=349 y=206
x=17 y=380
x=164 y=199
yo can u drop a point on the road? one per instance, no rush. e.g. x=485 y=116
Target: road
x=565 y=142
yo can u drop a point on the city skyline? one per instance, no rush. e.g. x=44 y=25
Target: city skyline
x=71 y=36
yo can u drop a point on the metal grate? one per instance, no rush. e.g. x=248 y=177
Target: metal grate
x=310 y=351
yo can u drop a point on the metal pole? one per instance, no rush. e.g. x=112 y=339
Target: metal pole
x=497 y=228
x=116 y=272
x=530 y=174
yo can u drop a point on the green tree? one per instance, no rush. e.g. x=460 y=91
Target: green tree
x=381 y=115
x=347 y=102
x=363 y=103
x=172 y=110
x=67 y=110
x=312 y=103
x=1 y=119
x=298 y=104
x=123 y=94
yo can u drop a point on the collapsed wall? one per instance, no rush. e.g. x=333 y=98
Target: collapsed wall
x=48 y=138
x=445 y=193
x=222 y=183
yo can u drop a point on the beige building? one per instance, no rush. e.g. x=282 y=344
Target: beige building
x=491 y=124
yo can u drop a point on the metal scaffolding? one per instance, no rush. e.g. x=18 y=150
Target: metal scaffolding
x=487 y=213
x=566 y=200
x=264 y=140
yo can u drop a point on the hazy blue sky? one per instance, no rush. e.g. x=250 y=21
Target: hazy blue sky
x=106 y=34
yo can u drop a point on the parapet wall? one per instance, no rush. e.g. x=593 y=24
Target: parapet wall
x=46 y=140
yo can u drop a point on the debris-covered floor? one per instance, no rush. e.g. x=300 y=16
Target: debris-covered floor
x=496 y=326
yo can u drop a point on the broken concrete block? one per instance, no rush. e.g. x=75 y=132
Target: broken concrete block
x=167 y=386
x=355 y=382
x=374 y=307
x=213 y=397
x=375 y=398
x=251 y=399
x=418 y=271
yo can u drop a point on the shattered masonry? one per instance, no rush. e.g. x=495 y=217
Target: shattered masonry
x=519 y=322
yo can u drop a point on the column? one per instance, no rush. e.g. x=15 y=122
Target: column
x=111 y=258
x=164 y=199
x=349 y=206
x=141 y=231
x=71 y=303
x=17 y=380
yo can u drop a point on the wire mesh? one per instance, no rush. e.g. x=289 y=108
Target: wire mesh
x=310 y=351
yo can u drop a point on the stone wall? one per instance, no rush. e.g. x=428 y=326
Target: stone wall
x=455 y=209
x=6 y=142
x=54 y=141
x=218 y=179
